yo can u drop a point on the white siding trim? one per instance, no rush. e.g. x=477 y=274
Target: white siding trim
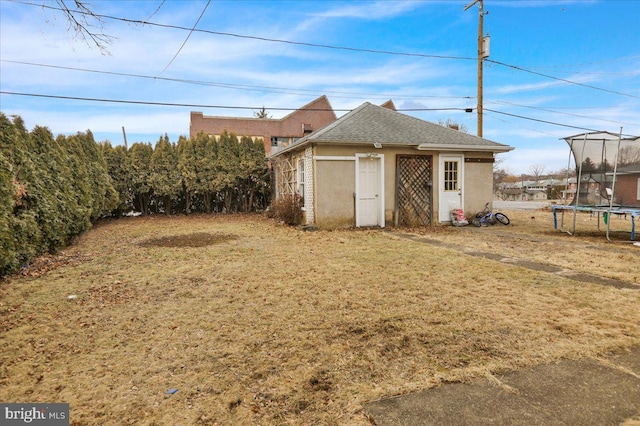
x=334 y=158
x=308 y=186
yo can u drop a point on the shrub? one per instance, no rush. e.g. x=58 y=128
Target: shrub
x=287 y=208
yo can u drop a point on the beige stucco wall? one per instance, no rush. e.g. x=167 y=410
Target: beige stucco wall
x=478 y=184
x=343 y=172
x=334 y=204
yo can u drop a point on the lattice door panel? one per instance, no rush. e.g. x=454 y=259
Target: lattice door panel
x=413 y=190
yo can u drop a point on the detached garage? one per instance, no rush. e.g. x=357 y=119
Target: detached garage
x=375 y=167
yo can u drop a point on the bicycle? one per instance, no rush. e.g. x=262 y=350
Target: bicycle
x=486 y=217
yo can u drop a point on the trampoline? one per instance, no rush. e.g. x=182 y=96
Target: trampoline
x=598 y=156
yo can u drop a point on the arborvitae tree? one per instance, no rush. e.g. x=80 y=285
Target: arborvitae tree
x=165 y=176
x=252 y=169
x=140 y=156
x=103 y=195
x=49 y=190
x=188 y=167
x=80 y=180
x=228 y=167
x=7 y=191
x=54 y=195
x=206 y=149
x=119 y=170
x=26 y=236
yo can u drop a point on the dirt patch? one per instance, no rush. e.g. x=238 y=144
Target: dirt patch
x=198 y=239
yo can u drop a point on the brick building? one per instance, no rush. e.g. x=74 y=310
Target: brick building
x=276 y=133
x=628 y=186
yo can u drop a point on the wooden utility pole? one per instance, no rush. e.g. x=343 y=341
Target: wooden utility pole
x=482 y=53
x=124 y=135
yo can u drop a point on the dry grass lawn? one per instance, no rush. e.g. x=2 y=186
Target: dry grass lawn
x=257 y=323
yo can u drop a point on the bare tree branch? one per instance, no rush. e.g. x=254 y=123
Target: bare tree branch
x=86 y=24
x=537 y=171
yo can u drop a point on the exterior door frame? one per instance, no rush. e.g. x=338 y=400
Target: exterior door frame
x=444 y=196
x=379 y=187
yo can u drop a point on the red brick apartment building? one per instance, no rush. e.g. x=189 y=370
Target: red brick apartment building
x=276 y=133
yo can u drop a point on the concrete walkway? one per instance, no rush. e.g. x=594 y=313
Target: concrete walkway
x=583 y=392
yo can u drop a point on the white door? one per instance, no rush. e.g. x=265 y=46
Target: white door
x=369 y=191
x=451 y=187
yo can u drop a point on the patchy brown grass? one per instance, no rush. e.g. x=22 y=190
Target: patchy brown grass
x=531 y=236
x=256 y=323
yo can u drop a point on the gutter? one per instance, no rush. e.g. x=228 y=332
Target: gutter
x=448 y=147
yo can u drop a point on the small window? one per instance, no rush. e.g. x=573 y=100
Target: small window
x=450 y=175
x=301 y=179
x=638 y=190
x=280 y=141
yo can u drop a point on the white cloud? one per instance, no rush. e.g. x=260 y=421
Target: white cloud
x=371 y=11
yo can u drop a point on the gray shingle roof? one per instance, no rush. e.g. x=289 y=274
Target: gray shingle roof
x=374 y=124
x=629 y=168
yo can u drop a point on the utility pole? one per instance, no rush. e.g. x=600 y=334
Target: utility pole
x=124 y=135
x=482 y=53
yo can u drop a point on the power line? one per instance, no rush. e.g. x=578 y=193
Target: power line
x=247 y=87
x=174 y=104
x=273 y=40
x=326 y=46
x=561 y=79
x=495 y=117
x=186 y=39
x=563 y=113
x=584 y=64
x=547 y=122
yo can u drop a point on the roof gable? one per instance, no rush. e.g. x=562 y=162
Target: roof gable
x=319 y=104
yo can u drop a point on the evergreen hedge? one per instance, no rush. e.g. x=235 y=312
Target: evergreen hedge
x=53 y=189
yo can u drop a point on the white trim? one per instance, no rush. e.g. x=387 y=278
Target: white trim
x=381 y=212
x=334 y=158
x=457 y=148
x=638 y=190
x=308 y=186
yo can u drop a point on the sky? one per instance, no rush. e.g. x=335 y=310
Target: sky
x=555 y=68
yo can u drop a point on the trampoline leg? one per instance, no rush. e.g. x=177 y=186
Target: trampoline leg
x=555 y=219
